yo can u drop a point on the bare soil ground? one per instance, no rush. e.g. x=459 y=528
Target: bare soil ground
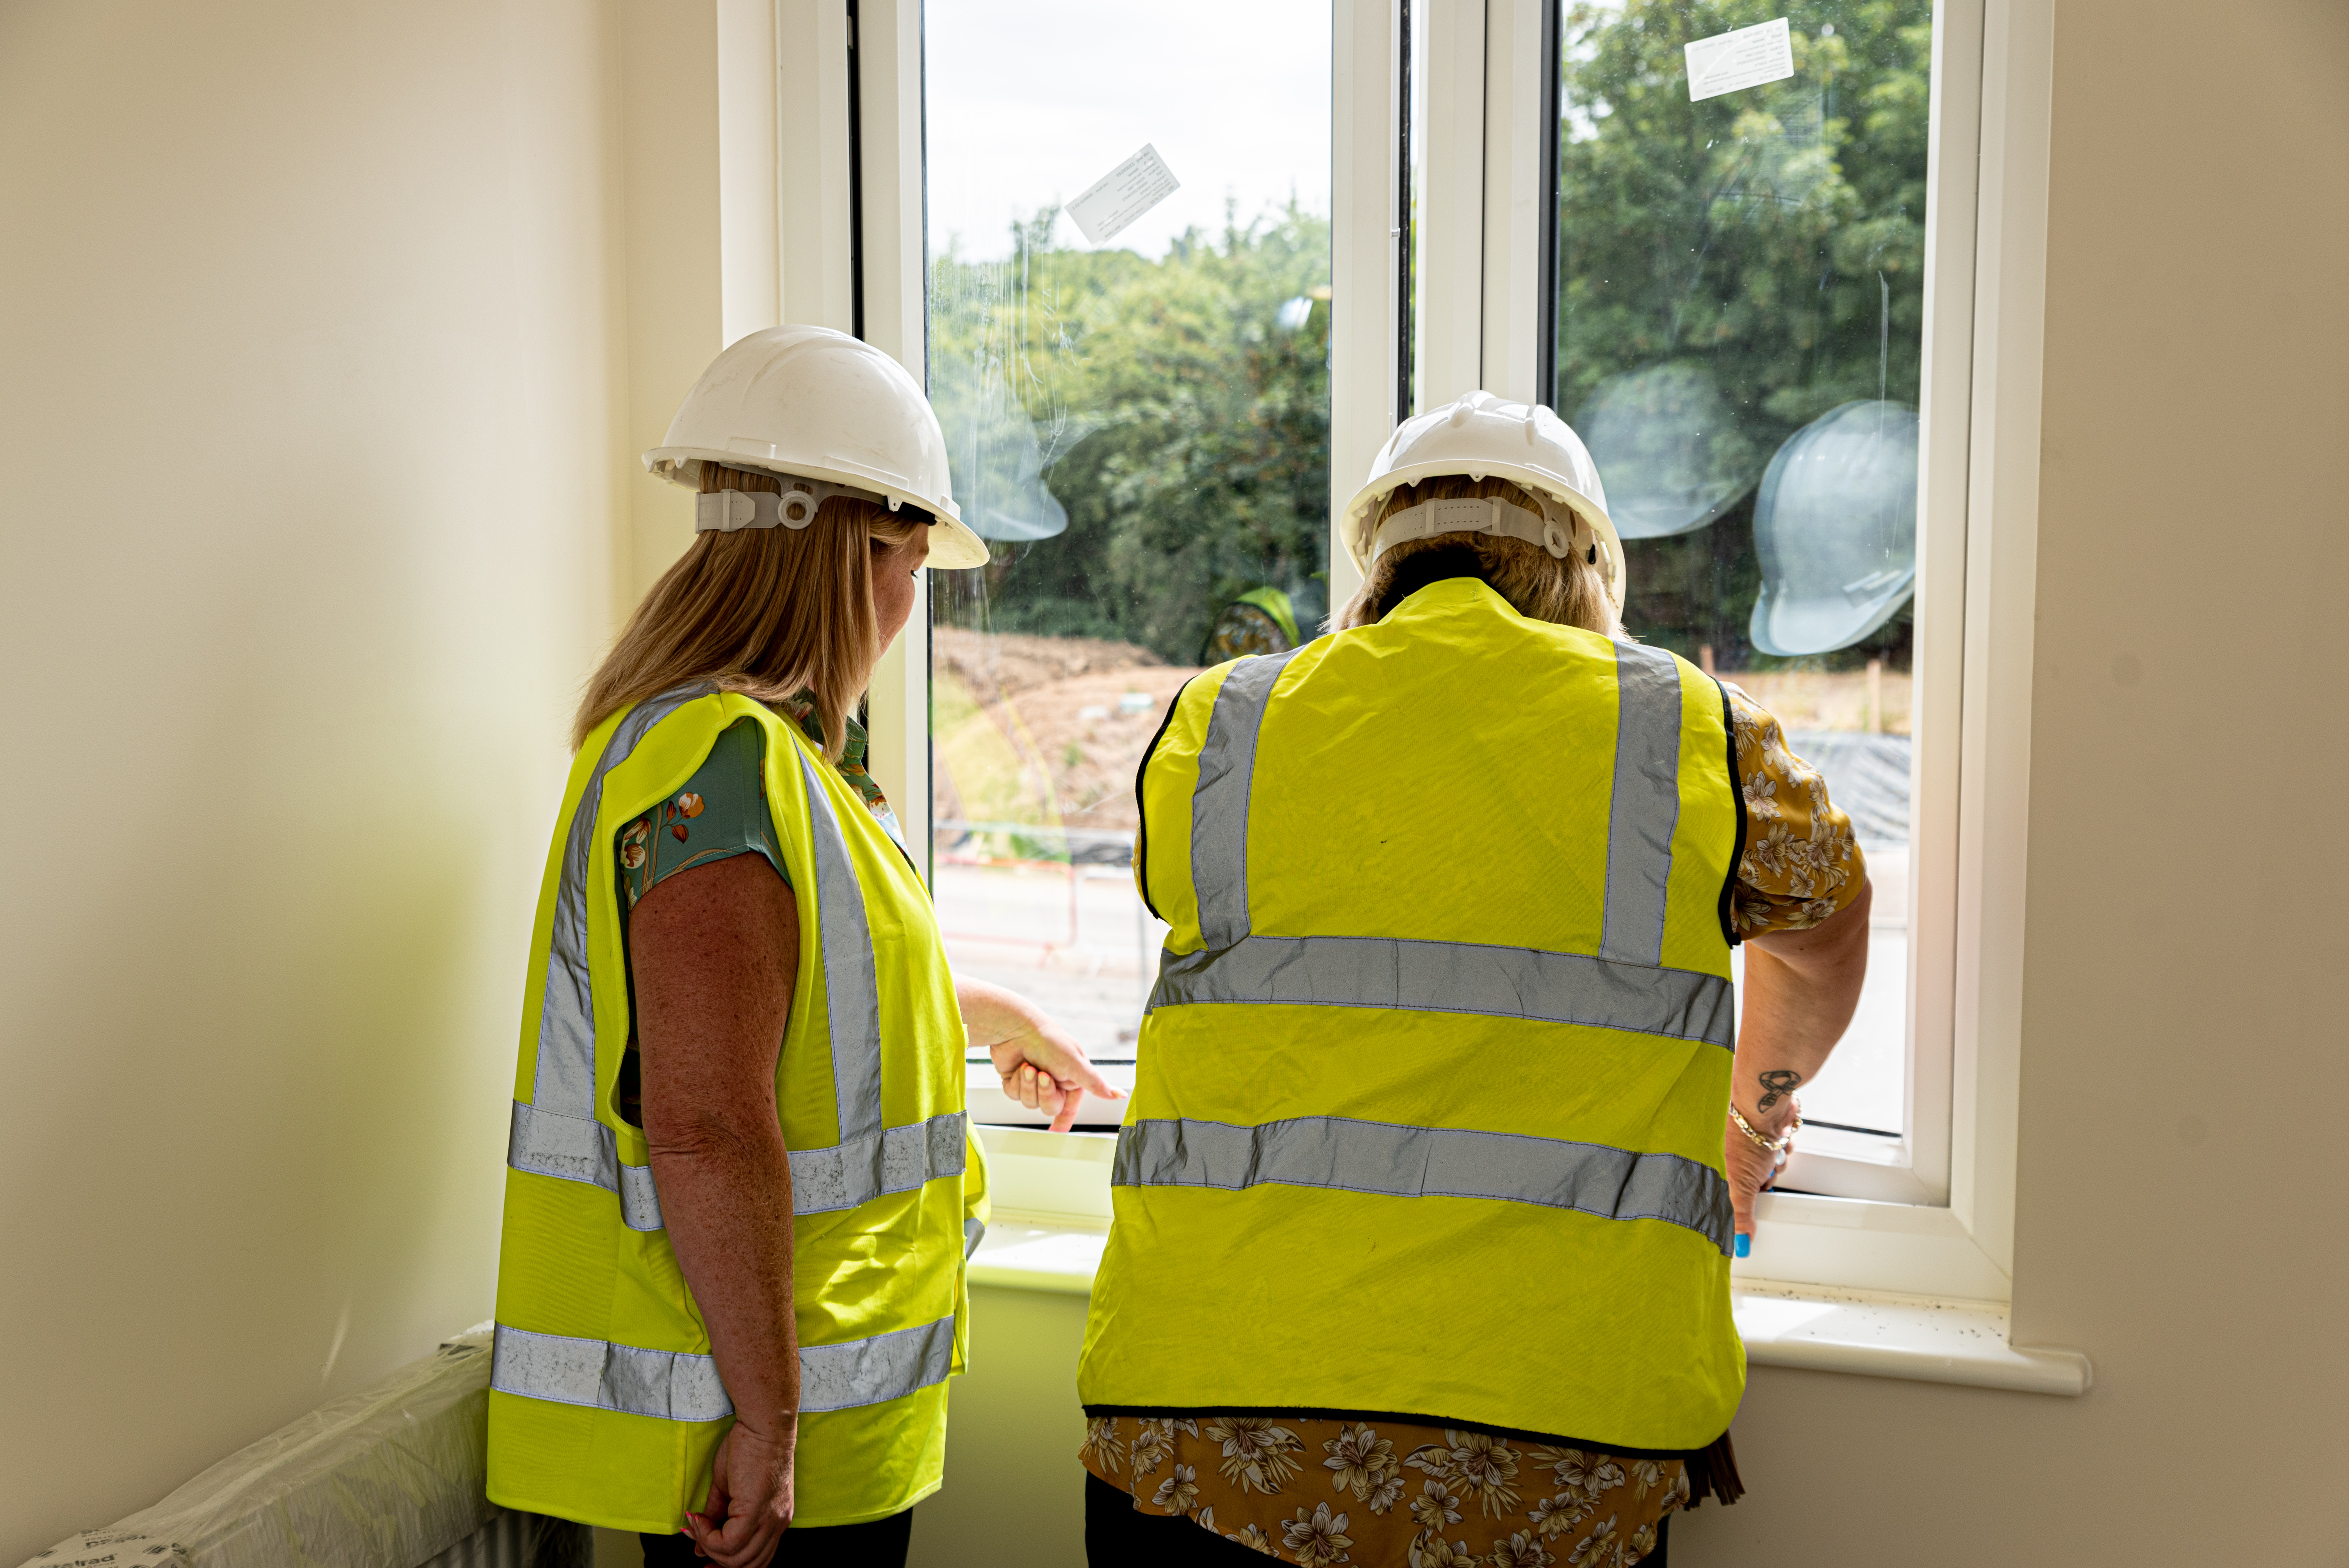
x=1076 y=712
x=1063 y=721
x=1813 y=700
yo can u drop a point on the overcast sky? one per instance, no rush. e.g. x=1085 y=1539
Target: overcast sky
x=1030 y=101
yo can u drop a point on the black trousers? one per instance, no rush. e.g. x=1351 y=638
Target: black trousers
x=875 y=1544
x=1119 y=1535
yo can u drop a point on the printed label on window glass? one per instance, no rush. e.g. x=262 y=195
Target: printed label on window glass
x=1731 y=62
x=1129 y=190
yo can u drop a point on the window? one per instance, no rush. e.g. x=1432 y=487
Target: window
x=1138 y=421
x=1831 y=271
x=1736 y=326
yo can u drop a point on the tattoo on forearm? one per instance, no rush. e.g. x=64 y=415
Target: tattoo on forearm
x=1776 y=1084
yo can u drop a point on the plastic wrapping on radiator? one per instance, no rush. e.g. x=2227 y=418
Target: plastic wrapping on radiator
x=389 y=1476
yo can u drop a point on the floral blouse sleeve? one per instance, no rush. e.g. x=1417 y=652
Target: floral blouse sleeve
x=1801 y=863
x=720 y=811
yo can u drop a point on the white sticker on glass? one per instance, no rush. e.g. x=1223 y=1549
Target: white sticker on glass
x=1123 y=194
x=1731 y=62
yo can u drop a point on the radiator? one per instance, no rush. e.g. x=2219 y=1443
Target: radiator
x=390 y=1476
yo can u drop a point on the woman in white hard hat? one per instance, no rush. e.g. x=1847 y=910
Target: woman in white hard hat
x=741 y=1186
x=1442 y=1137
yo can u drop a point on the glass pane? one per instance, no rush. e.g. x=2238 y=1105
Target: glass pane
x=1739 y=315
x=1139 y=424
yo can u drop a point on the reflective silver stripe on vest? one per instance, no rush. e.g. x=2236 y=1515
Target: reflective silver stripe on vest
x=868 y=1161
x=671 y=1385
x=1645 y=805
x=679 y=1386
x=1452 y=977
x=869 y=1371
x=1390 y=1161
x=822 y=1180
x=565 y=1081
x=572 y=1148
x=556 y=1133
x=897 y=1160
x=974 y=1231
x=852 y=996
x=1622 y=989
x=1220 y=804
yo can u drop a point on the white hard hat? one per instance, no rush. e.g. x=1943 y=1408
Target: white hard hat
x=809 y=403
x=1481 y=436
x=1836 y=530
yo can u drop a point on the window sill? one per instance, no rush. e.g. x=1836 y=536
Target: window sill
x=1868 y=1245
x=1052 y=1213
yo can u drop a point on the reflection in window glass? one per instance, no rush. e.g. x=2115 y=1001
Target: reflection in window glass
x=1739 y=316
x=1140 y=427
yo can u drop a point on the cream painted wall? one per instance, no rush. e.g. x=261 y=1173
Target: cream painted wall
x=676 y=300
x=312 y=498
x=1014 y=1495
x=699 y=151
x=329 y=339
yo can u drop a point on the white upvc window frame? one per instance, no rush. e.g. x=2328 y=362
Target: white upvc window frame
x=1931 y=1214
x=849 y=227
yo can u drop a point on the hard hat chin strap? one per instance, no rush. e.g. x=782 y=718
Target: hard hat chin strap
x=731 y=511
x=1490 y=515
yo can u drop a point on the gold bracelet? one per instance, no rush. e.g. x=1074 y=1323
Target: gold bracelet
x=1778 y=1146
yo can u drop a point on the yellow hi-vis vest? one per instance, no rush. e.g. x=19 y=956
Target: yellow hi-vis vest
x=1427 y=1120
x=605 y=1403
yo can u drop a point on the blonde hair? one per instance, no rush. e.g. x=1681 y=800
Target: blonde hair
x=1538 y=585
x=766 y=611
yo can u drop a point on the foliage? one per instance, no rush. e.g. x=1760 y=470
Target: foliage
x=1771 y=236
x=1757 y=257
x=1769 y=242
x=1177 y=414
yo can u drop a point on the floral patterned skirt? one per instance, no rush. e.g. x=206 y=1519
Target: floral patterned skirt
x=1316 y=1490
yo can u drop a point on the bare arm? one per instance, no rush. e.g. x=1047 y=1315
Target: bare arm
x=1041 y=1066
x=715 y=952
x=1800 y=990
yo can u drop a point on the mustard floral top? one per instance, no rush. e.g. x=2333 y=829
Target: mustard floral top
x=1801 y=863
x=1319 y=1491
x=1315 y=1489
